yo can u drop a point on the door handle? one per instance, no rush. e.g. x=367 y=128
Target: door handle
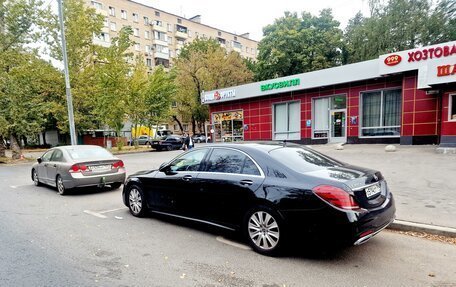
x=187 y=177
x=246 y=182
x=54 y=165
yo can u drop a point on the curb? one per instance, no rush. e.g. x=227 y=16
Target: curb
x=402 y=225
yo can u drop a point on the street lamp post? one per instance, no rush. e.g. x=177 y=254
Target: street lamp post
x=67 y=77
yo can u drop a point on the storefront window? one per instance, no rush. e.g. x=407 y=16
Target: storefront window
x=229 y=126
x=452 y=108
x=287 y=121
x=321 y=118
x=381 y=113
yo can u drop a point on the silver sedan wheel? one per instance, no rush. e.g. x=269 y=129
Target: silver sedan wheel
x=35 y=178
x=263 y=230
x=60 y=186
x=135 y=201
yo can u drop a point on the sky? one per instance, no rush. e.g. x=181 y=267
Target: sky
x=242 y=16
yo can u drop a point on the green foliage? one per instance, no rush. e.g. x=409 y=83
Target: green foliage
x=26 y=93
x=204 y=65
x=112 y=81
x=398 y=25
x=81 y=23
x=160 y=90
x=295 y=45
x=21 y=22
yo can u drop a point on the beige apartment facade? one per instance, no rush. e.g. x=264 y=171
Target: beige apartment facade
x=160 y=35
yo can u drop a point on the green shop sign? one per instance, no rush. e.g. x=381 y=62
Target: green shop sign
x=280 y=85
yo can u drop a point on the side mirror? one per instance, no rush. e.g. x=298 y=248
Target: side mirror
x=39 y=160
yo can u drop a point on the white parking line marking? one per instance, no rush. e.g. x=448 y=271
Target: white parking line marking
x=17 y=186
x=232 y=243
x=111 y=210
x=95 y=214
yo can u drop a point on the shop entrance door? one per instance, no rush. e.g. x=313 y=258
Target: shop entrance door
x=338 y=126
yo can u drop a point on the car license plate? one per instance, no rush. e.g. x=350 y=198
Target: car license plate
x=99 y=167
x=155 y=143
x=373 y=190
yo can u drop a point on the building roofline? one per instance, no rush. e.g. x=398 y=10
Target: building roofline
x=422 y=59
x=141 y=4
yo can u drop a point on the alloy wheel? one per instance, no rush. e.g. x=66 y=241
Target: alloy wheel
x=60 y=186
x=263 y=230
x=35 y=178
x=135 y=201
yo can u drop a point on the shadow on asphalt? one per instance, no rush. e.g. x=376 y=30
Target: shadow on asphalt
x=294 y=249
x=81 y=190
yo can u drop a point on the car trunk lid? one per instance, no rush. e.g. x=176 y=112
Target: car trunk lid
x=367 y=186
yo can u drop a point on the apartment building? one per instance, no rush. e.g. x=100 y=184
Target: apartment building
x=160 y=35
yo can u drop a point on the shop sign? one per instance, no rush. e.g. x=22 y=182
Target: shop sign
x=446 y=70
x=280 y=84
x=217 y=96
x=431 y=53
x=393 y=60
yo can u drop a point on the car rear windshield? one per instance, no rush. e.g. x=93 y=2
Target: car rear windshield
x=89 y=153
x=301 y=159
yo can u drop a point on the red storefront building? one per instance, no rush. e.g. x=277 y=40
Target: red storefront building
x=408 y=97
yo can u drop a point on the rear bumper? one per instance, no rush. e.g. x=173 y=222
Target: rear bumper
x=94 y=180
x=329 y=225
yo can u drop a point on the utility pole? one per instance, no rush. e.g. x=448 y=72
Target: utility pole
x=67 y=78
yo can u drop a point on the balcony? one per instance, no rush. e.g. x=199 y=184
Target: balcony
x=101 y=42
x=158 y=28
x=160 y=42
x=102 y=12
x=161 y=55
x=182 y=35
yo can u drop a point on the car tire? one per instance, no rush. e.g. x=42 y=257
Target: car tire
x=147 y=143
x=36 y=181
x=60 y=186
x=263 y=228
x=115 y=185
x=136 y=200
x=169 y=148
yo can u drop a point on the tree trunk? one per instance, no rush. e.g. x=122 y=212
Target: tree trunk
x=15 y=148
x=44 y=139
x=179 y=123
x=2 y=147
x=193 y=124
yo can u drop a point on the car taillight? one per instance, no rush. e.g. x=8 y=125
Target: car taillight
x=78 y=168
x=336 y=197
x=118 y=164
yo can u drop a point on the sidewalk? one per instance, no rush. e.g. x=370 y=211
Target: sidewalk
x=423 y=182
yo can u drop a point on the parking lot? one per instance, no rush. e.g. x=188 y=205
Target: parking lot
x=89 y=238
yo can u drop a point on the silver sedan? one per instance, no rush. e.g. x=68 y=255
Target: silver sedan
x=67 y=167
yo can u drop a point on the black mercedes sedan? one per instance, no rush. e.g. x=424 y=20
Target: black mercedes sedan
x=269 y=192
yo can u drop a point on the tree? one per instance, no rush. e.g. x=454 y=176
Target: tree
x=136 y=108
x=295 y=45
x=81 y=24
x=113 y=81
x=204 y=65
x=398 y=25
x=26 y=82
x=160 y=89
x=26 y=96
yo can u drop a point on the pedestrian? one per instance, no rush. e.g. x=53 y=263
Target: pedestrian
x=189 y=144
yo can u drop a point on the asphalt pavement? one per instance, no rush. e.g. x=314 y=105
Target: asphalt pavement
x=422 y=181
